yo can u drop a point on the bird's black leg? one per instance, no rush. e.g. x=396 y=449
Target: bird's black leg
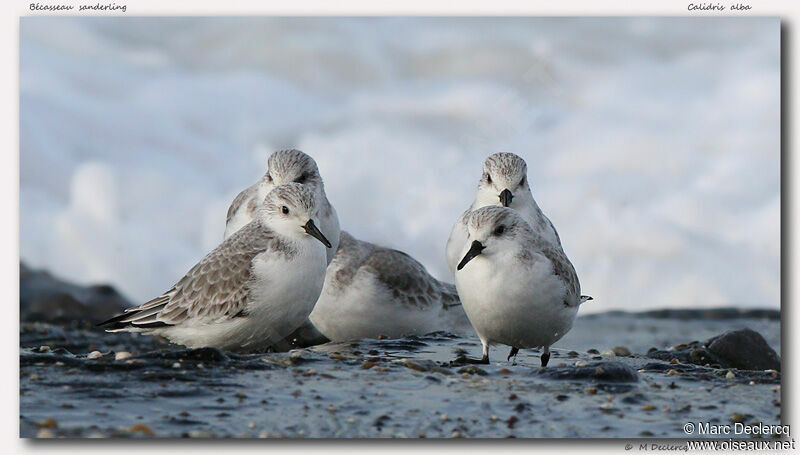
x=513 y=353
x=545 y=357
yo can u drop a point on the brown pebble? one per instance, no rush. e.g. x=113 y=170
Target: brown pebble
x=367 y=365
x=48 y=423
x=382 y=337
x=513 y=396
x=141 y=428
x=673 y=372
x=504 y=371
x=648 y=407
x=591 y=390
x=737 y=417
x=674 y=361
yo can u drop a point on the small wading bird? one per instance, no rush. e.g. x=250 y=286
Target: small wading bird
x=516 y=287
x=504 y=182
x=249 y=292
x=285 y=166
x=369 y=290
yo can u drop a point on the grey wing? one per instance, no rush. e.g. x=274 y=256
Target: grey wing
x=238 y=201
x=564 y=270
x=558 y=239
x=215 y=289
x=404 y=278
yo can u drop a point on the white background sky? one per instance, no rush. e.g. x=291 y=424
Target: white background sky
x=652 y=144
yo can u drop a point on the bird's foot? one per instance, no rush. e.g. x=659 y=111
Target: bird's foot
x=462 y=360
x=545 y=358
x=513 y=354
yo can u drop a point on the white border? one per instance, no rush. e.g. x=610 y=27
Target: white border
x=789 y=11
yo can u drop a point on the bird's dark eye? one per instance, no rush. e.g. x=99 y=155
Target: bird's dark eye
x=499 y=230
x=285 y=210
x=488 y=178
x=302 y=178
x=522 y=182
x=269 y=178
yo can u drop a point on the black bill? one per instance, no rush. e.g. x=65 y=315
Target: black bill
x=506 y=197
x=312 y=230
x=474 y=250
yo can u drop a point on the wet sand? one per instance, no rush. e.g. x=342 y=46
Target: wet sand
x=396 y=388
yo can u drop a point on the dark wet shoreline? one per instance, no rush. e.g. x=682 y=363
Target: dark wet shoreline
x=395 y=388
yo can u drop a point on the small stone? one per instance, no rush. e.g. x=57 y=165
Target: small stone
x=504 y=371
x=44 y=348
x=581 y=363
x=48 y=423
x=122 y=355
x=176 y=365
x=444 y=417
x=648 y=407
x=608 y=353
x=730 y=375
x=621 y=351
x=367 y=365
x=251 y=425
x=737 y=417
x=472 y=369
x=94 y=355
x=593 y=351
x=591 y=390
x=141 y=428
x=512 y=396
x=572 y=354
x=45 y=433
x=673 y=372
x=674 y=361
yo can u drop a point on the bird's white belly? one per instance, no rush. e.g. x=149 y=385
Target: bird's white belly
x=506 y=306
x=363 y=309
x=282 y=297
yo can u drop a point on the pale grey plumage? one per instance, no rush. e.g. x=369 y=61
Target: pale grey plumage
x=226 y=300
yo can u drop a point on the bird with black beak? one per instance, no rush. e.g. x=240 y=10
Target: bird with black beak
x=504 y=182
x=517 y=288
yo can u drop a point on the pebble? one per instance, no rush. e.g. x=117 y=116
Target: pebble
x=94 y=355
x=48 y=423
x=737 y=417
x=730 y=375
x=648 y=407
x=45 y=433
x=581 y=363
x=621 y=351
x=367 y=365
x=608 y=353
x=141 y=428
x=122 y=355
x=176 y=365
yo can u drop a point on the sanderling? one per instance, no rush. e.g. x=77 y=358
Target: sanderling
x=371 y=291
x=283 y=167
x=504 y=183
x=516 y=287
x=249 y=292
